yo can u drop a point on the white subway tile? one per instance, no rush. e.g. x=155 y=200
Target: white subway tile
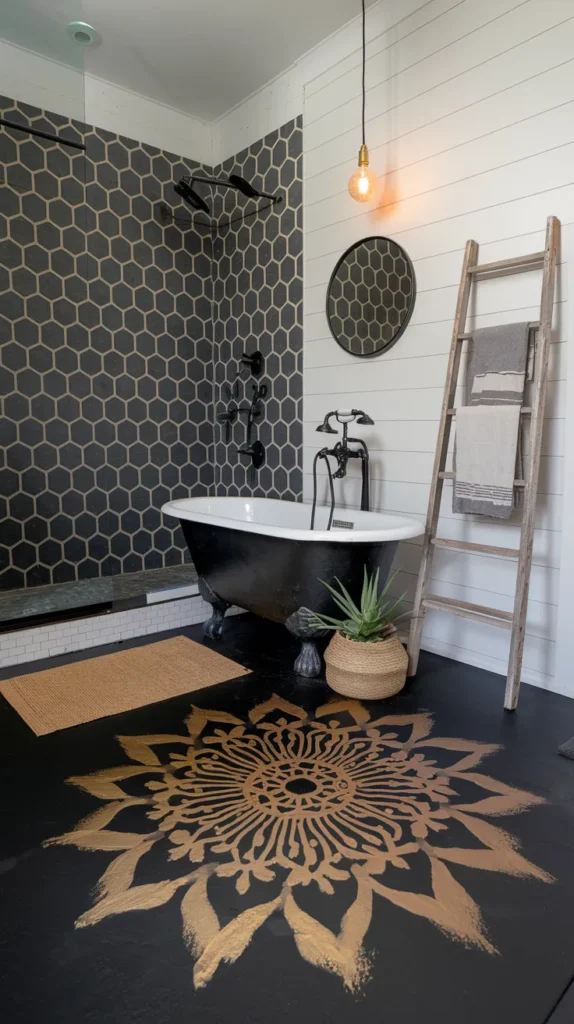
x=82 y=634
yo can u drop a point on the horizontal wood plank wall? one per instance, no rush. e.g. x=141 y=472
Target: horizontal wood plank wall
x=470 y=125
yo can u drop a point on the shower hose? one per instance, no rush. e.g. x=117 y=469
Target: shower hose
x=322 y=455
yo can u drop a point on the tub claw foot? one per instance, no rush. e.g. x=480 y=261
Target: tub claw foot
x=213 y=627
x=308 y=663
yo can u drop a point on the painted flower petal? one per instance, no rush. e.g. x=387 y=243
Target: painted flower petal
x=336 y=707
x=276 y=703
x=501 y=853
x=230 y=942
x=139 y=748
x=103 y=784
x=508 y=800
x=98 y=839
x=138 y=897
x=451 y=908
x=320 y=947
x=200 y=922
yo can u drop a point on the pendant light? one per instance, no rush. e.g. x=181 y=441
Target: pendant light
x=363 y=183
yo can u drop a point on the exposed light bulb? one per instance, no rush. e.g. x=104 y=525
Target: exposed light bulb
x=363 y=183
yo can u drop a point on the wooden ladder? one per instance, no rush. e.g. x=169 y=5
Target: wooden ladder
x=473 y=271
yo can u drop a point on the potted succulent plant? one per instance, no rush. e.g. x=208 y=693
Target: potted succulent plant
x=365 y=657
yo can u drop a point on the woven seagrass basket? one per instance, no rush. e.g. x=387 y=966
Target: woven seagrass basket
x=368 y=671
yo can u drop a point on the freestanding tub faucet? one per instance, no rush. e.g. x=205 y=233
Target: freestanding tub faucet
x=342 y=453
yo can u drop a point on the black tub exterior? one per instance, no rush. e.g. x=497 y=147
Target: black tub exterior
x=277 y=577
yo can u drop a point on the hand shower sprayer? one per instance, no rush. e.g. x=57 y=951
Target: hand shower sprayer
x=342 y=453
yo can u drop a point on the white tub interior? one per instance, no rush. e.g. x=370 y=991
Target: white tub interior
x=291 y=519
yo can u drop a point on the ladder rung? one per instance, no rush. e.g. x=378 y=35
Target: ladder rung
x=530 y=262
x=445 y=475
x=526 y=410
x=483 y=549
x=478 y=612
x=467 y=335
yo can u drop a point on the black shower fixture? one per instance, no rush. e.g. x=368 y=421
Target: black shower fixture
x=247 y=189
x=185 y=188
x=342 y=453
x=326 y=427
x=41 y=134
x=190 y=196
x=349 y=415
x=255 y=361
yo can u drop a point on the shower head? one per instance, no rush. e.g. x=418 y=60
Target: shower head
x=363 y=418
x=325 y=427
x=243 y=186
x=190 y=196
x=249 y=190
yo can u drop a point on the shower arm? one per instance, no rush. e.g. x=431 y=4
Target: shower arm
x=219 y=183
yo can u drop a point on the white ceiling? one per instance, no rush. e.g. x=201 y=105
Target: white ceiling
x=199 y=56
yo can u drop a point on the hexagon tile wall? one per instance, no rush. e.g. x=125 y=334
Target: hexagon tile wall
x=106 y=345
x=371 y=296
x=106 y=356
x=258 y=304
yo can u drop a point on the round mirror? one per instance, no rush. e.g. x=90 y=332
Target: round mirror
x=371 y=296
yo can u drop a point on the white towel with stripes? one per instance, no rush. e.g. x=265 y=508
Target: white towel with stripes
x=486 y=457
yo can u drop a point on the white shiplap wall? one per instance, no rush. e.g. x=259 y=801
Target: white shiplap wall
x=470 y=125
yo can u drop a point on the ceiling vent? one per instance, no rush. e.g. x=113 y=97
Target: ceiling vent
x=83 y=34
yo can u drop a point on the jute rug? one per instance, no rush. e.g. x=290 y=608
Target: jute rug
x=58 y=698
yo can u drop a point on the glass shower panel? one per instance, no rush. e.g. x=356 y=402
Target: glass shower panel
x=97 y=337
x=42 y=279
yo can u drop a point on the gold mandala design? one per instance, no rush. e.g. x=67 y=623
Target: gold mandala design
x=293 y=801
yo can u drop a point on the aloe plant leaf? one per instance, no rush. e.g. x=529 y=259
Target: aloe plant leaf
x=374 y=588
x=332 y=590
x=365 y=623
x=343 y=600
x=326 y=622
x=347 y=596
x=365 y=590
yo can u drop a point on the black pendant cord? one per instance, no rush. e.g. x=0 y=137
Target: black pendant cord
x=364 y=71
x=50 y=136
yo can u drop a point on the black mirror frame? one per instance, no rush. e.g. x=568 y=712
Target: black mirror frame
x=410 y=308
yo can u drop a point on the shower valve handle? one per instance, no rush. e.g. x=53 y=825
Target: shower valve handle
x=254 y=361
x=256 y=453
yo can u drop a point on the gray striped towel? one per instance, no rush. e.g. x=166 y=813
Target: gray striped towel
x=487 y=428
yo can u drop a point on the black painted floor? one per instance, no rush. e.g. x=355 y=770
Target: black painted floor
x=133 y=966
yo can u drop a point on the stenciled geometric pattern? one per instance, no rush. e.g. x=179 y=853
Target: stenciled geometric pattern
x=258 y=304
x=371 y=296
x=289 y=808
x=105 y=355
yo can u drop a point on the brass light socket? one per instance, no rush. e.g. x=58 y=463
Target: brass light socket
x=363 y=156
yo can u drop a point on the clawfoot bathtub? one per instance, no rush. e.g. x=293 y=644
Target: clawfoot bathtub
x=260 y=554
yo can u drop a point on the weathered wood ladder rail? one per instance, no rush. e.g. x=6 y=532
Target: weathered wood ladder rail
x=473 y=272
